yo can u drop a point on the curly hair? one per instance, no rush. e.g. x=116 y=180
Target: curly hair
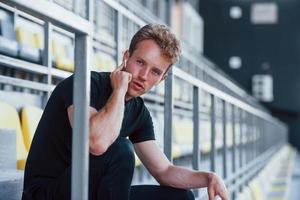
x=162 y=36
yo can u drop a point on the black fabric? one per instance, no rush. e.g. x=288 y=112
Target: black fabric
x=110 y=177
x=50 y=152
x=151 y=192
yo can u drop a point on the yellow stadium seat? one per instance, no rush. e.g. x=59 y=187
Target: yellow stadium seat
x=256 y=190
x=176 y=151
x=176 y=90
x=161 y=89
x=137 y=160
x=61 y=57
x=30 y=117
x=30 y=46
x=25 y=37
x=9 y=118
x=183 y=135
x=184 y=131
x=103 y=62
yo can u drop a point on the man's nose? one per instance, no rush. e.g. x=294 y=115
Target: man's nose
x=143 y=73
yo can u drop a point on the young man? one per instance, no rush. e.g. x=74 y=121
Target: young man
x=116 y=111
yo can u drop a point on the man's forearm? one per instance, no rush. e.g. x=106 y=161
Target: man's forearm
x=106 y=124
x=180 y=177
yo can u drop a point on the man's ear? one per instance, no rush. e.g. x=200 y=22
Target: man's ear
x=126 y=55
x=163 y=78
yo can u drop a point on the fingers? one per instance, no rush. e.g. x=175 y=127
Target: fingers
x=211 y=194
x=121 y=66
x=224 y=196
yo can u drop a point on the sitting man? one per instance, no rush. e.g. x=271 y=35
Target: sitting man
x=116 y=112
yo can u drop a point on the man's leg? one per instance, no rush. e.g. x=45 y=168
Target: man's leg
x=116 y=178
x=110 y=175
x=147 y=192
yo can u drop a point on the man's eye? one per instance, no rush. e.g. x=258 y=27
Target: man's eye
x=157 y=73
x=139 y=62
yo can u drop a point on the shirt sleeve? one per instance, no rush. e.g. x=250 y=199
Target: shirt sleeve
x=145 y=131
x=66 y=90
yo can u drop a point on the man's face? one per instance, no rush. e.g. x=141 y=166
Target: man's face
x=148 y=67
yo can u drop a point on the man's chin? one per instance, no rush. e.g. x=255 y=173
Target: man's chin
x=133 y=94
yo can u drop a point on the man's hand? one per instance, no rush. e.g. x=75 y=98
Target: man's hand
x=216 y=187
x=120 y=79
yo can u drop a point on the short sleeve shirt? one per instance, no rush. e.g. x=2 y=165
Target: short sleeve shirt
x=50 y=152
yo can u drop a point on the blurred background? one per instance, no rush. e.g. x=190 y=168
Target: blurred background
x=230 y=105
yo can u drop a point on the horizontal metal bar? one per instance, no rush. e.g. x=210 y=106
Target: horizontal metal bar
x=53 y=13
x=142 y=11
x=26 y=84
x=24 y=65
x=222 y=95
x=260 y=159
x=117 y=6
x=31 y=67
x=60 y=73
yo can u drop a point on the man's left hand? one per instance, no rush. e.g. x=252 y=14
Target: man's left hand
x=216 y=187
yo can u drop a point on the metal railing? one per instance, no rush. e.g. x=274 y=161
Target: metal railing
x=261 y=124
x=266 y=136
x=83 y=31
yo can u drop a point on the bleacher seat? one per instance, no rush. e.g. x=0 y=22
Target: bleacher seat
x=8 y=43
x=29 y=45
x=177 y=92
x=8 y=149
x=62 y=55
x=9 y=118
x=161 y=89
x=103 y=62
x=183 y=136
x=30 y=117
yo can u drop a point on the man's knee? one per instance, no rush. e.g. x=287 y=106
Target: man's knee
x=189 y=195
x=121 y=151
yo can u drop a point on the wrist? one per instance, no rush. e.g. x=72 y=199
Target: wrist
x=210 y=177
x=119 y=93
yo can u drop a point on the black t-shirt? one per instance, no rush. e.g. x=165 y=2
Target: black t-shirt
x=50 y=152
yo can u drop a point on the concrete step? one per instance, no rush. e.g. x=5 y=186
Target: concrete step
x=11 y=184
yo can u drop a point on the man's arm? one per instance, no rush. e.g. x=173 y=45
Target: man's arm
x=105 y=125
x=168 y=174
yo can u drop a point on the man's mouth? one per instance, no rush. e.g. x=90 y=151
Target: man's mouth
x=138 y=85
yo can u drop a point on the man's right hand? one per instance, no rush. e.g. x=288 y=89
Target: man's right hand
x=120 y=79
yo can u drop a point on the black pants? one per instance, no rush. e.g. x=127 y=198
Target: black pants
x=110 y=177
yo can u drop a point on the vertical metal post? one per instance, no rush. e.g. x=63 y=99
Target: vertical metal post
x=47 y=55
x=118 y=36
x=90 y=10
x=253 y=138
x=213 y=134
x=224 y=149
x=248 y=138
x=233 y=146
x=260 y=135
x=80 y=143
x=168 y=117
x=169 y=12
x=196 y=149
x=241 y=145
x=196 y=154
x=77 y=4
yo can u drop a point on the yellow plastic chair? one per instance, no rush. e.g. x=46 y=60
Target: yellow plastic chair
x=9 y=118
x=183 y=135
x=30 y=117
x=61 y=58
x=103 y=62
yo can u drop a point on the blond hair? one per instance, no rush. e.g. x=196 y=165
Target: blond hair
x=162 y=36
